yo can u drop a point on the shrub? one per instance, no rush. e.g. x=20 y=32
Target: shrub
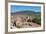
x=37 y=20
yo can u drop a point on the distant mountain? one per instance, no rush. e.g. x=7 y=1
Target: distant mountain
x=26 y=12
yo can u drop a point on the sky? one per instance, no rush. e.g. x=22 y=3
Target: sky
x=15 y=8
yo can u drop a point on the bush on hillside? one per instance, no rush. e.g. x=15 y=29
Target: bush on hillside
x=37 y=20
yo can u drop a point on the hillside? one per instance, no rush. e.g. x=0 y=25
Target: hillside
x=26 y=12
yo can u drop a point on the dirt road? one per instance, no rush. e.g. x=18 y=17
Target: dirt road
x=35 y=25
